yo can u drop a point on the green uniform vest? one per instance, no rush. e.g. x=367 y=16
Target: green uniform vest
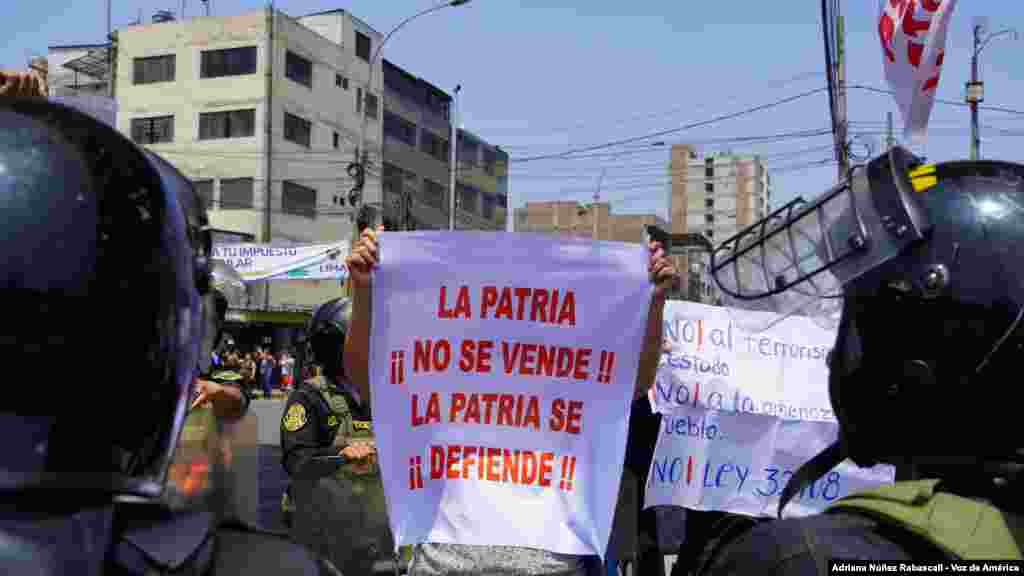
x=365 y=479
x=965 y=528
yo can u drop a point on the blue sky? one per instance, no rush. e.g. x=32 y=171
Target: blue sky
x=541 y=76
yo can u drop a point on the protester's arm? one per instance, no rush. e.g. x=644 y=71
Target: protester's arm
x=664 y=276
x=357 y=343
x=360 y=264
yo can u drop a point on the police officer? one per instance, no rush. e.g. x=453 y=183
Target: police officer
x=220 y=387
x=104 y=245
x=928 y=262
x=325 y=416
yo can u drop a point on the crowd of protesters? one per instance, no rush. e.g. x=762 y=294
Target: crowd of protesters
x=260 y=370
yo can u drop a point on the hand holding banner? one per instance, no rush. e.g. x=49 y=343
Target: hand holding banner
x=502 y=390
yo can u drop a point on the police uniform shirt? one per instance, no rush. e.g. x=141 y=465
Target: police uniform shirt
x=309 y=425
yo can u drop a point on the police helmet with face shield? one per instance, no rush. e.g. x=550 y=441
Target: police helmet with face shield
x=920 y=268
x=104 y=262
x=326 y=332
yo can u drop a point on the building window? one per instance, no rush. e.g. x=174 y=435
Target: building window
x=709 y=218
x=709 y=202
x=337 y=140
x=363 y=46
x=227 y=62
x=153 y=130
x=399 y=128
x=204 y=188
x=236 y=193
x=709 y=188
x=467 y=197
x=359 y=100
x=298 y=69
x=341 y=81
x=488 y=207
x=228 y=124
x=490 y=161
x=298 y=200
x=434 y=145
x=297 y=130
x=468 y=151
x=710 y=233
x=154 y=69
x=435 y=195
x=371 y=106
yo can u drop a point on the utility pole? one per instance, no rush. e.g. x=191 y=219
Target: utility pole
x=593 y=210
x=840 y=76
x=975 y=93
x=453 y=144
x=890 y=140
x=269 y=143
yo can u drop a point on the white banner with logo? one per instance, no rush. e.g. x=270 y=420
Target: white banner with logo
x=262 y=262
x=503 y=369
x=741 y=412
x=913 y=36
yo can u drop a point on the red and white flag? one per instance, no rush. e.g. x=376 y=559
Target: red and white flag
x=913 y=35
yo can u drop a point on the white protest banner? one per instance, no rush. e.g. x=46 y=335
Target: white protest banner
x=261 y=262
x=502 y=371
x=741 y=412
x=913 y=36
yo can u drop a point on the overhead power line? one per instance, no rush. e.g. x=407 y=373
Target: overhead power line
x=662 y=133
x=942 y=101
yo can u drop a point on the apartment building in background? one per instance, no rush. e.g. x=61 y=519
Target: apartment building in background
x=263 y=112
x=716 y=195
x=416 y=172
x=574 y=219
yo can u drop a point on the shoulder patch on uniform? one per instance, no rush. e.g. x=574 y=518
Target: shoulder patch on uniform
x=361 y=425
x=332 y=420
x=295 y=418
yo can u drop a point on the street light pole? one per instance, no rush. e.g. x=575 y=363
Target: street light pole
x=976 y=97
x=975 y=93
x=361 y=154
x=454 y=168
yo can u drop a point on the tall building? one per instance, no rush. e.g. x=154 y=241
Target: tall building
x=417 y=161
x=574 y=219
x=263 y=112
x=482 y=185
x=717 y=196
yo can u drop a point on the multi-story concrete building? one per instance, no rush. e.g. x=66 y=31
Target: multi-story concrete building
x=574 y=219
x=482 y=186
x=263 y=112
x=717 y=196
x=417 y=161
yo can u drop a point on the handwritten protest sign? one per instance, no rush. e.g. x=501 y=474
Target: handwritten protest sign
x=741 y=412
x=502 y=370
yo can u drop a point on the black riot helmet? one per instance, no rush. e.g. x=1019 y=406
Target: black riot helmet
x=920 y=268
x=325 y=334
x=103 y=264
